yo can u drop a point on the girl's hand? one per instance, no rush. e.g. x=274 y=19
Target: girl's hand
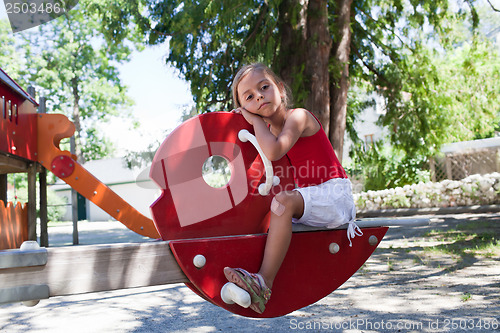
x=249 y=117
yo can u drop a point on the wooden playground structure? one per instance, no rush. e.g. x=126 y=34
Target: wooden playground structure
x=202 y=228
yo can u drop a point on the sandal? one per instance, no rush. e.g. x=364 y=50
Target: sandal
x=253 y=283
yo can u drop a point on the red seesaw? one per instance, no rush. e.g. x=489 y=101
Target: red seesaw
x=203 y=228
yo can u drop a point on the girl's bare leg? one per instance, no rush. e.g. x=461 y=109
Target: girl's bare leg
x=280 y=234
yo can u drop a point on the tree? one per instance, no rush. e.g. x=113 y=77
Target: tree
x=442 y=89
x=362 y=41
x=10 y=58
x=439 y=87
x=70 y=63
x=210 y=40
x=339 y=76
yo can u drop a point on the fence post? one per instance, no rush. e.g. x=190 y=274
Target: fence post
x=32 y=202
x=42 y=179
x=497 y=155
x=3 y=187
x=432 y=166
x=449 y=174
x=74 y=200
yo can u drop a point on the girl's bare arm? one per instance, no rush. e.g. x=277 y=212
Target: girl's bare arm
x=276 y=147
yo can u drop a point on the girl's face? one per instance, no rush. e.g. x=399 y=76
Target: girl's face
x=257 y=93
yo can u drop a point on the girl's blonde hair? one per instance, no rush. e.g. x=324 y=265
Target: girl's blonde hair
x=258 y=67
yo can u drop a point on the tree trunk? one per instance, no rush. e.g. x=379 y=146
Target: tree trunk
x=76 y=119
x=291 y=56
x=317 y=56
x=340 y=76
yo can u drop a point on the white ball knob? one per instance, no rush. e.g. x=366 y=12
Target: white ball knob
x=199 y=261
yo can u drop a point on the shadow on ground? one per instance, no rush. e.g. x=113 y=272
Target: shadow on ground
x=416 y=281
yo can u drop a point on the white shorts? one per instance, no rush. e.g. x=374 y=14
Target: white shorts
x=327 y=205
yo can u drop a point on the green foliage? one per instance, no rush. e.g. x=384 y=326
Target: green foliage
x=10 y=57
x=143 y=158
x=427 y=59
x=444 y=97
x=56 y=205
x=439 y=83
x=209 y=40
x=357 y=102
x=97 y=145
x=380 y=166
x=70 y=63
x=471 y=74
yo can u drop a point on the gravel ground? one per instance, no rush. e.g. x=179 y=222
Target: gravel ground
x=402 y=288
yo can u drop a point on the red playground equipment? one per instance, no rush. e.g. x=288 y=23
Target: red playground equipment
x=203 y=228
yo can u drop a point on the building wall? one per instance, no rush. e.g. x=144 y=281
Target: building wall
x=134 y=186
x=366 y=126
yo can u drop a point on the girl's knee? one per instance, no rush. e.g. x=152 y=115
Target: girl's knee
x=277 y=207
x=284 y=198
x=286 y=201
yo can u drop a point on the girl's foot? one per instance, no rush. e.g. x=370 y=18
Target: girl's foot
x=253 y=283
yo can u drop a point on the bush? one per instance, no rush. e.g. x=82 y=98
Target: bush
x=473 y=190
x=381 y=167
x=56 y=206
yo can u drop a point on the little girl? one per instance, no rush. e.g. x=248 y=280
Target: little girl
x=323 y=197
